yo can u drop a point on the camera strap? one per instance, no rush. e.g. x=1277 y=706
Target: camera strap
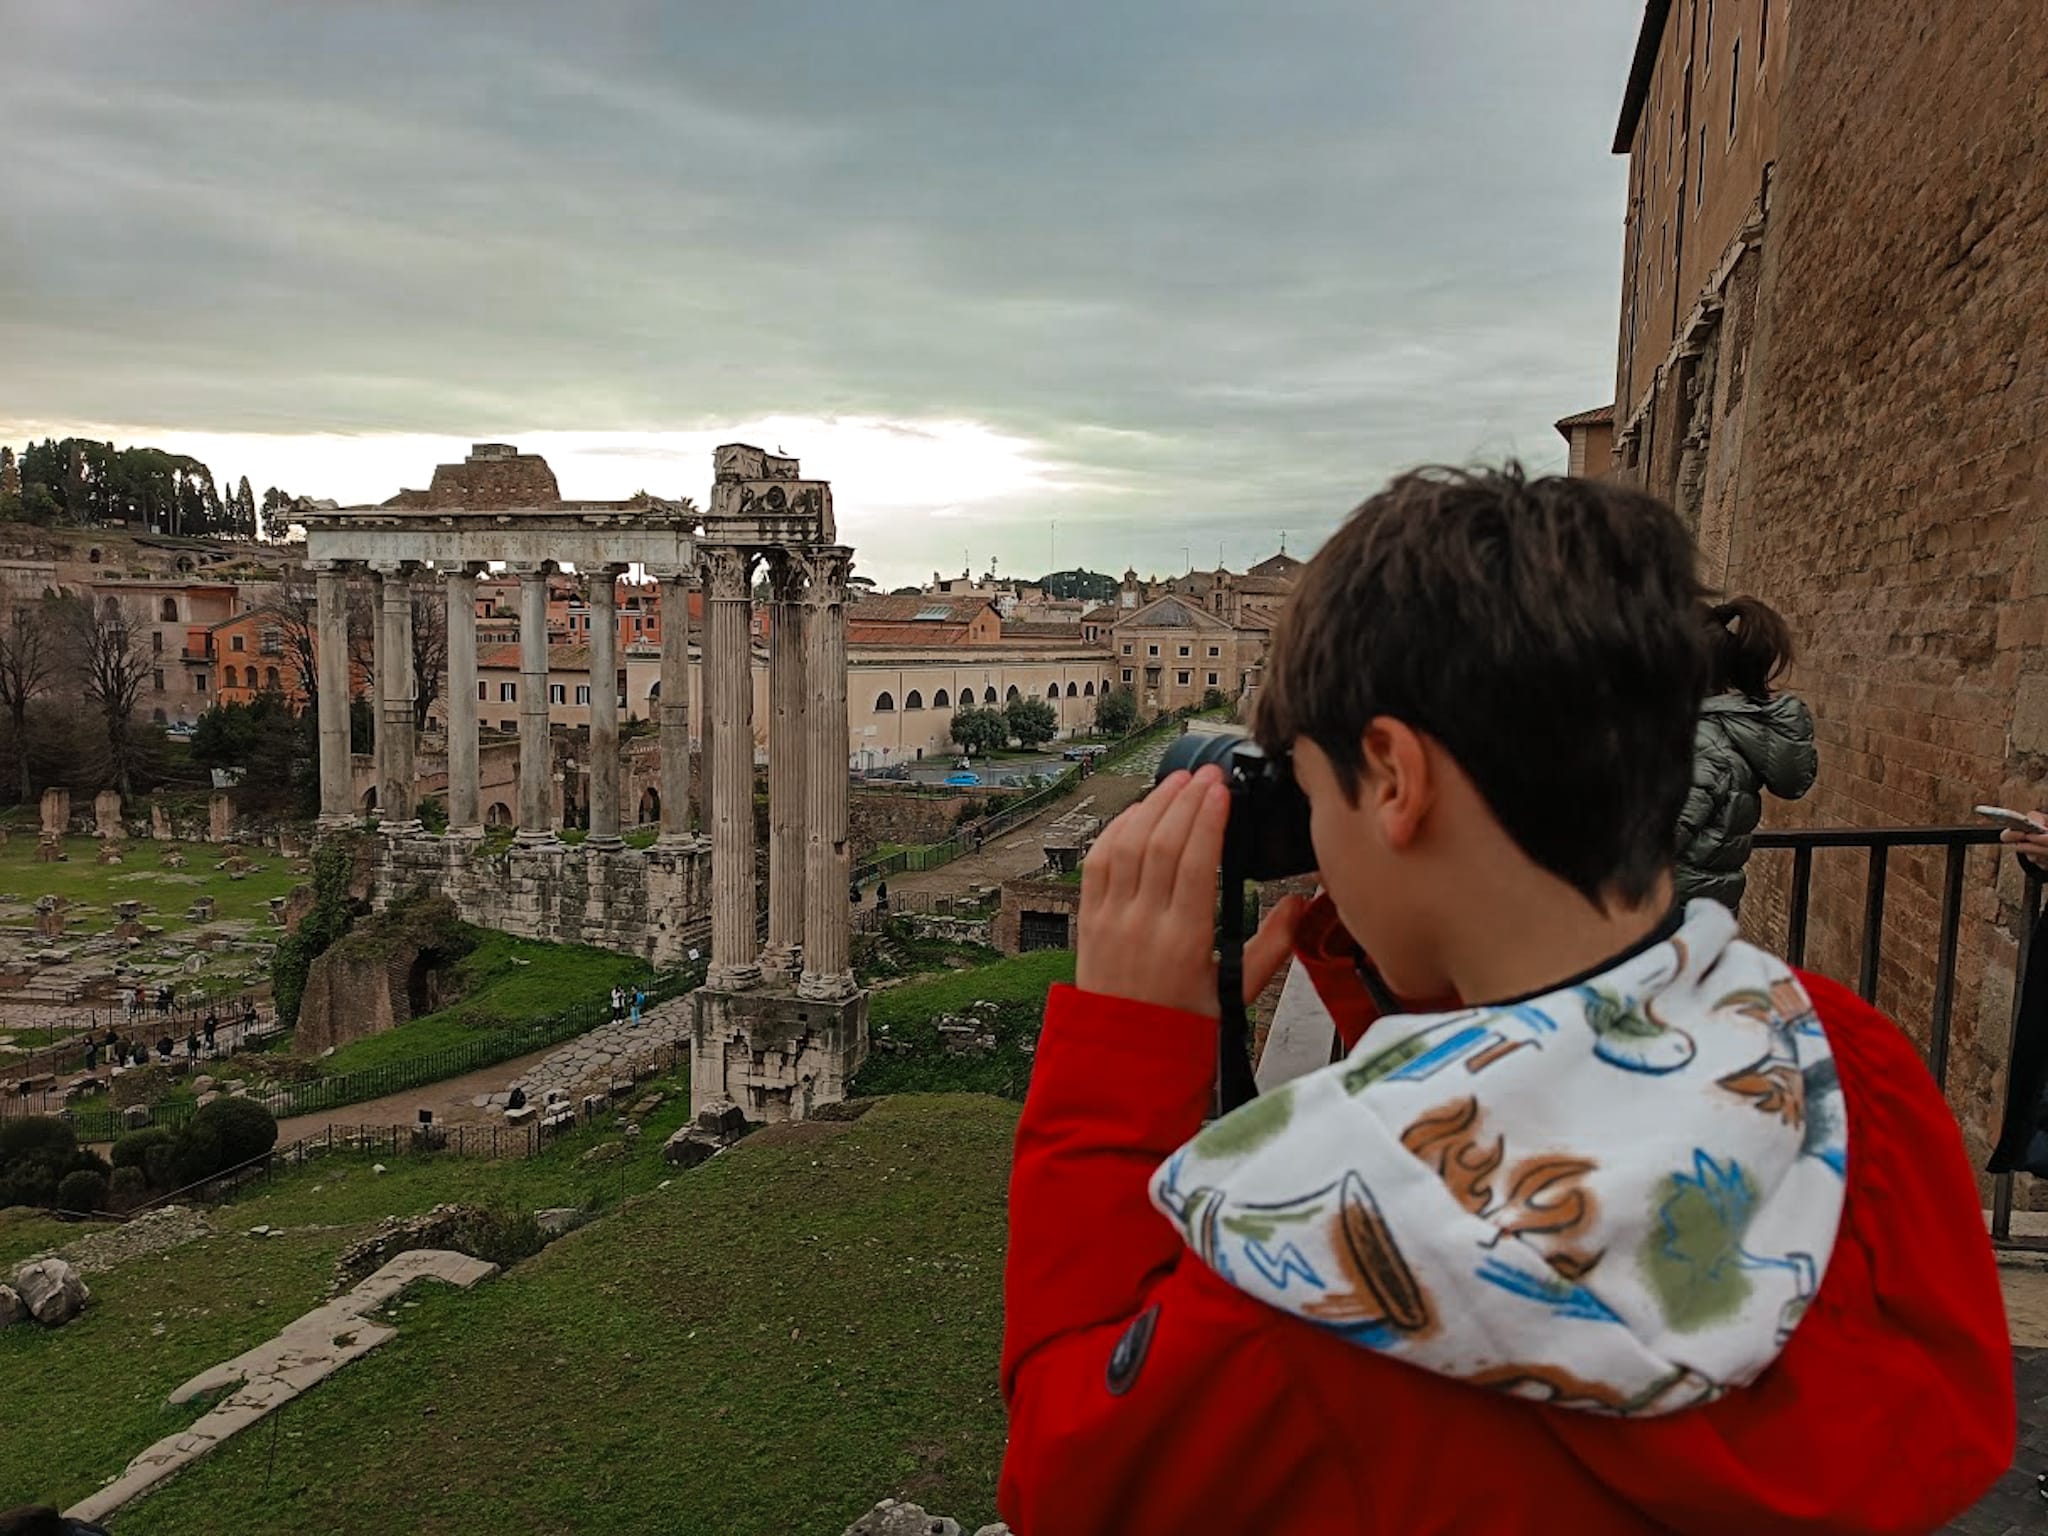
x=1235 y=1084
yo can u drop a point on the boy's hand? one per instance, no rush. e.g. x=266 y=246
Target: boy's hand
x=2032 y=846
x=1148 y=903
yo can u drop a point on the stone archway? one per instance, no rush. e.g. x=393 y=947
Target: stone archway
x=369 y=799
x=650 y=805
x=499 y=815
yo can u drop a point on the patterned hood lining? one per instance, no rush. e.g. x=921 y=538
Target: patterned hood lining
x=1617 y=1197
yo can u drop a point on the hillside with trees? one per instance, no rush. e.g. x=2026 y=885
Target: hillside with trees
x=80 y=482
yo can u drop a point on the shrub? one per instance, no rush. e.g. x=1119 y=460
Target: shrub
x=193 y=1157
x=127 y=1189
x=82 y=1192
x=981 y=732
x=1116 y=712
x=333 y=864
x=1214 y=700
x=35 y=1153
x=500 y=1234
x=244 y=1129
x=133 y=1150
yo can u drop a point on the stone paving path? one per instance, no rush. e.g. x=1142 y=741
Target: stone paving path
x=609 y=1051
x=267 y=1377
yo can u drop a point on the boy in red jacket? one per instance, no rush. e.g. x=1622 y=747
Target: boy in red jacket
x=1640 y=1230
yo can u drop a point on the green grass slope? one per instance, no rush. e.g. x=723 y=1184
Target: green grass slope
x=778 y=1339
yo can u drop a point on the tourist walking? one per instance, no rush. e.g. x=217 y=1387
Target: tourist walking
x=135 y=1004
x=1748 y=740
x=639 y=1002
x=192 y=1044
x=882 y=896
x=212 y=1025
x=92 y=1055
x=618 y=1004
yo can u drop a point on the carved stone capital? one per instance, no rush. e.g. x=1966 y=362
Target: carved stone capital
x=726 y=570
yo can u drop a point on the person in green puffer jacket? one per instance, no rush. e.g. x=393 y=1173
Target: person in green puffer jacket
x=1748 y=740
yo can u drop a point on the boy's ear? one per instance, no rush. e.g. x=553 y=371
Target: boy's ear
x=1399 y=786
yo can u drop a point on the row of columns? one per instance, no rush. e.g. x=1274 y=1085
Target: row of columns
x=808 y=866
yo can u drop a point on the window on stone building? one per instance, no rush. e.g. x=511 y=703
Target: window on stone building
x=988 y=696
x=508 y=693
x=582 y=694
x=483 y=692
x=1734 y=84
x=885 y=704
x=157 y=681
x=156 y=641
x=558 y=693
x=1088 y=689
x=199 y=682
x=273 y=642
x=1151 y=650
x=170 y=610
x=508 y=725
x=913 y=700
x=940 y=700
x=1127 y=674
x=235 y=643
x=1012 y=693
x=1073 y=692
x=1182 y=678
x=1127 y=647
x=229 y=677
x=1212 y=679
x=1215 y=651
x=1186 y=651
x=270 y=679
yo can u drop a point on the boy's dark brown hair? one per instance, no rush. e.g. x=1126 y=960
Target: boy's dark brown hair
x=1545 y=632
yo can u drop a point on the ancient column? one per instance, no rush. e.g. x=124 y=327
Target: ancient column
x=782 y=961
x=828 y=973
x=674 y=713
x=395 y=693
x=464 y=818
x=729 y=682
x=536 y=824
x=331 y=677
x=601 y=593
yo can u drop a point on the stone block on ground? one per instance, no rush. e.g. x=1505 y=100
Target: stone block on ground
x=723 y=1120
x=12 y=1308
x=557 y=1220
x=52 y=1291
x=520 y=1116
x=890 y=1518
x=689 y=1147
x=135 y=1117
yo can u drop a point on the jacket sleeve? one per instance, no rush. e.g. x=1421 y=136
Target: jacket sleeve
x=1793 y=763
x=1197 y=1429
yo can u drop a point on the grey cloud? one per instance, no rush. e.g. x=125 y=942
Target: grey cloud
x=1228 y=265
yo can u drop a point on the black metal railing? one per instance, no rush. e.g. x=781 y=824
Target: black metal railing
x=1877 y=843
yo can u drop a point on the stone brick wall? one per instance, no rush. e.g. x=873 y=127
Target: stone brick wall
x=1031 y=895
x=877 y=816
x=1890 y=495
x=654 y=903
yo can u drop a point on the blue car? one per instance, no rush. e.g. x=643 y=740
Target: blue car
x=962 y=780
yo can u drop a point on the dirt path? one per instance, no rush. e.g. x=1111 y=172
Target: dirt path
x=1023 y=851
x=449 y=1100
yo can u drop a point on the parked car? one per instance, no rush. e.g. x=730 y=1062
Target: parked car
x=1083 y=753
x=962 y=780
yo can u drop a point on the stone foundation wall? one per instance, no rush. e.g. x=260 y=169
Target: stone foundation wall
x=1021 y=896
x=655 y=903
x=877 y=816
x=777 y=1056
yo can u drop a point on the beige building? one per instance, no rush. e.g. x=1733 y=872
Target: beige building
x=1589 y=441
x=1172 y=652
x=902 y=698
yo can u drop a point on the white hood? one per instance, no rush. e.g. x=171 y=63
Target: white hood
x=1619 y=1196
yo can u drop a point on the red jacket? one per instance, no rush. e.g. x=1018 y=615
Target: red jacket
x=1890 y=1410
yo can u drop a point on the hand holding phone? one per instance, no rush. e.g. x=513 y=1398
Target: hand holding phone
x=2016 y=820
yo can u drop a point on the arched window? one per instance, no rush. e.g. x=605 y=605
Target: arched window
x=93 y=554
x=229 y=679
x=170 y=610
x=913 y=700
x=1073 y=692
x=988 y=695
x=650 y=805
x=1089 y=691
x=1012 y=693
x=886 y=704
x=940 y=701
x=1052 y=690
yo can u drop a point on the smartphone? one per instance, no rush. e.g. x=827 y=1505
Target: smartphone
x=2008 y=818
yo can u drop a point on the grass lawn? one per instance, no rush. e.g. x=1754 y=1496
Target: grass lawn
x=783 y=1336
x=1019 y=979
x=506 y=980
x=91 y=1395
x=142 y=877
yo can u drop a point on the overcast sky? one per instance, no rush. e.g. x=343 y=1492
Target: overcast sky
x=1096 y=282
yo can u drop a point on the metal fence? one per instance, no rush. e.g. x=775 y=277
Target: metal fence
x=145 y=1026
x=323 y=1095
x=1877 y=844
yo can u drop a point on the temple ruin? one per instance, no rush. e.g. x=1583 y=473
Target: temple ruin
x=780 y=1023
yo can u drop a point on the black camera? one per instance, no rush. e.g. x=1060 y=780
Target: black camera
x=1268 y=812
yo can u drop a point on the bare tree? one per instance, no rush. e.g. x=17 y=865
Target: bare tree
x=295 y=611
x=28 y=664
x=429 y=650
x=107 y=643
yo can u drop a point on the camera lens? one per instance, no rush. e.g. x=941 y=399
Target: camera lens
x=1268 y=812
x=1198 y=749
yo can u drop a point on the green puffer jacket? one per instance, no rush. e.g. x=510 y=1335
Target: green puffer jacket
x=1741 y=748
